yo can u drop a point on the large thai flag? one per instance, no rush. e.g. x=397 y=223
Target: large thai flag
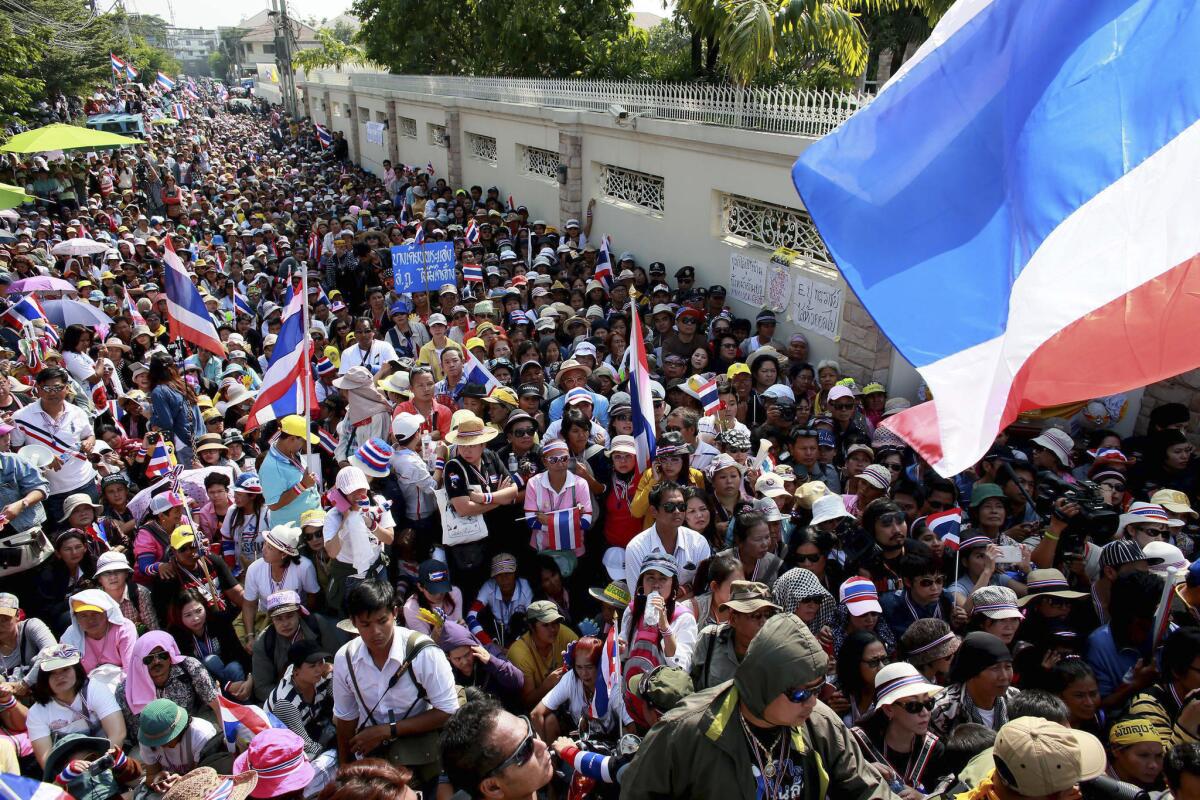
x=118 y=66
x=604 y=271
x=324 y=137
x=610 y=675
x=947 y=525
x=187 y=318
x=287 y=386
x=15 y=787
x=23 y=313
x=253 y=719
x=1029 y=173
x=293 y=302
x=475 y=371
x=166 y=83
x=639 y=390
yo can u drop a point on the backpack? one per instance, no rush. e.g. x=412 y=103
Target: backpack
x=643 y=656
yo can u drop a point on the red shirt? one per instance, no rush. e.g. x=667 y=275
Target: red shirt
x=440 y=421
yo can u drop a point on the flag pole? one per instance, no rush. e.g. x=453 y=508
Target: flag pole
x=307 y=356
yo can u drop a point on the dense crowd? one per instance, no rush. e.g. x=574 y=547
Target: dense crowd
x=454 y=576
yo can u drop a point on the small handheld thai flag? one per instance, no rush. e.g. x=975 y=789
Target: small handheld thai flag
x=604 y=272
x=314 y=247
x=131 y=307
x=253 y=719
x=22 y=313
x=180 y=111
x=324 y=137
x=166 y=83
x=511 y=205
x=947 y=525
x=118 y=66
x=161 y=461
x=475 y=372
x=188 y=92
x=429 y=168
x=706 y=391
x=564 y=530
x=242 y=304
x=472 y=273
x=419 y=239
x=327 y=441
x=610 y=675
x=471 y=232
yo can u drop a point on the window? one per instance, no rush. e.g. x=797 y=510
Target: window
x=771 y=226
x=482 y=147
x=540 y=163
x=437 y=135
x=268 y=48
x=635 y=188
x=408 y=127
x=380 y=116
x=364 y=114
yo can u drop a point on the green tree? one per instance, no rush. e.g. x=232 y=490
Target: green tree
x=332 y=53
x=18 y=92
x=343 y=31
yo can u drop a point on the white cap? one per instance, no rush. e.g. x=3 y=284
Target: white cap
x=405 y=425
x=829 y=507
x=437 y=319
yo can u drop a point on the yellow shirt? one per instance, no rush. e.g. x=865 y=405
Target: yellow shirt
x=525 y=656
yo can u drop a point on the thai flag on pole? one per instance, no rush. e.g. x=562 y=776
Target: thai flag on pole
x=707 y=393
x=130 y=72
x=179 y=110
x=604 y=271
x=419 y=238
x=472 y=273
x=166 y=83
x=511 y=205
x=429 y=168
x=324 y=137
x=131 y=307
x=118 y=66
x=287 y=386
x=23 y=313
x=947 y=525
x=564 y=529
x=471 y=232
x=475 y=372
x=314 y=247
x=328 y=441
x=187 y=318
x=235 y=716
x=610 y=675
x=188 y=92
x=241 y=304
x=161 y=461
x=293 y=302
x=639 y=390
x=1048 y=150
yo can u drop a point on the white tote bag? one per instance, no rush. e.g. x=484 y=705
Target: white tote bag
x=457 y=529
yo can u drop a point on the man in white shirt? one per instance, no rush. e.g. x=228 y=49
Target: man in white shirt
x=366 y=351
x=669 y=535
x=377 y=706
x=65 y=430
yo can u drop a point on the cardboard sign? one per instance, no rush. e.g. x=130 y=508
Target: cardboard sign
x=747 y=279
x=422 y=268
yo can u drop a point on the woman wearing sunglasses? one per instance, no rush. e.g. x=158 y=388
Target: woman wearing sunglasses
x=896 y=736
x=157 y=670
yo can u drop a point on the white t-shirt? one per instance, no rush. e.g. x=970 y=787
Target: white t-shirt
x=80 y=365
x=259 y=585
x=360 y=547
x=50 y=718
x=183 y=757
x=381 y=351
x=569 y=691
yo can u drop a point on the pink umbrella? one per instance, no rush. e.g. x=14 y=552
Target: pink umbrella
x=42 y=283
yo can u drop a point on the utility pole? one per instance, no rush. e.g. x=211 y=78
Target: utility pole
x=285 y=46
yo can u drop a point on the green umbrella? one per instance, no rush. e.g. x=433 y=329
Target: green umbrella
x=65 y=137
x=13 y=196
x=164 y=121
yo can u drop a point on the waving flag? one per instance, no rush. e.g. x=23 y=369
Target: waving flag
x=190 y=93
x=639 y=390
x=706 y=393
x=187 y=318
x=471 y=232
x=324 y=137
x=293 y=302
x=475 y=372
x=429 y=168
x=118 y=66
x=419 y=238
x=472 y=273
x=511 y=205
x=1049 y=160
x=236 y=717
x=604 y=271
x=161 y=460
x=22 y=313
x=610 y=675
x=180 y=111
x=947 y=525
x=131 y=308
x=166 y=83
x=130 y=72
x=314 y=247
x=328 y=441
x=15 y=787
x=241 y=304
x=287 y=385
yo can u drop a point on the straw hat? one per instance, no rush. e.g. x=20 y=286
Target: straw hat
x=471 y=430
x=204 y=782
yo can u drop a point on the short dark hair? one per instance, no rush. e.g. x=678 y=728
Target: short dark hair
x=53 y=374
x=966 y=741
x=1140 y=593
x=876 y=509
x=368 y=598
x=1179 y=651
x=1038 y=703
x=1180 y=759
x=467 y=751
x=911 y=488
x=936 y=484
x=914 y=565
x=662 y=490
x=216 y=479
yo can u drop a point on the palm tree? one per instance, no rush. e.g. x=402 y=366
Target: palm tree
x=748 y=34
x=333 y=52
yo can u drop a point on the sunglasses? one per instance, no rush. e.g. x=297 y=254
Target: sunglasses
x=917 y=706
x=671 y=508
x=811 y=558
x=622 y=417
x=522 y=432
x=674 y=429
x=878 y=662
x=926 y=583
x=55 y=389
x=557 y=459
x=153 y=657
x=520 y=756
x=843 y=406
x=804 y=694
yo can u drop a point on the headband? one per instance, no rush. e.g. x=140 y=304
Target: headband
x=936 y=642
x=1133 y=731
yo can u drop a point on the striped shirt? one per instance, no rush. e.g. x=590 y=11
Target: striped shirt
x=541 y=498
x=303 y=718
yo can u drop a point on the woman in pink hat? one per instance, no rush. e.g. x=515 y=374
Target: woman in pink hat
x=284 y=771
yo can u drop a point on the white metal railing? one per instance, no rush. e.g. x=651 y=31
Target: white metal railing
x=801 y=112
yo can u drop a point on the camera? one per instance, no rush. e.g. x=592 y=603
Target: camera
x=1094 y=518
x=1106 y=788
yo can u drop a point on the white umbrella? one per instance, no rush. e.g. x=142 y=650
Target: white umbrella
x=78 y=247
x=73 y=312
x=191 y=483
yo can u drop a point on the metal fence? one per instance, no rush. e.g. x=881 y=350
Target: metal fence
x=798 y=112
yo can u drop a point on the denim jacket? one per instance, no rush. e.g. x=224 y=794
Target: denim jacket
x=17 y=479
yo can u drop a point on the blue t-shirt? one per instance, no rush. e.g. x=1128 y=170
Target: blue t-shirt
x=278 y=474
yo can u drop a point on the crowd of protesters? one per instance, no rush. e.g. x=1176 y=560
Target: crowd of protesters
x=437 y=583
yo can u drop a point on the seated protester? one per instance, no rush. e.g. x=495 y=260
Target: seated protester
x=212 y=514
x=798 y=591
x=859 y=610
x=922 y=596
x=751 y=535
x=538 y=652
x=886 y=530
x=930 y=645
x=65 y=701
x=980 y=685
x=977 y=558
x=280 y=567
x=303 y=701
x=277 y=758
x=213 y=642
x=63 y=575
x=290 y=623
x=498 y=614
x=69 y=766
x=895 y=735
x=244 y=524
x=173 y=743
x=570 y=703
x=153 y=540
x=717 y=575
x=395 y=719
x=657 y=619
x=114 y=574
x=202 y=571
x=21 y=639
x=1161 y=702
x=1072 y=681
x=312 y=547
x=994 y=610
x=1035 y=757
x=1182 y=770
x=80 y=513
x=102 y=635
x=159 y=671
x=547 y=495
x=720 y=648
x=553 y=587
x=851 y=692
x=435 y=596
x=668 y=534
x=700 y=749
x=1048 y=606
x=480 y=666
x=356 y=536
x=1136 y=754
x=1114 y=650
x=487 y=752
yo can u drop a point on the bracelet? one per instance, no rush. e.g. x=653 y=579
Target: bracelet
x=1051 y=536
x=487 y=498
x=12 y=701
x=439 y=463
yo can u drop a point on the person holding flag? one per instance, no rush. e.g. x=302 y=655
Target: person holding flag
x=576 y=695
x=558 y=508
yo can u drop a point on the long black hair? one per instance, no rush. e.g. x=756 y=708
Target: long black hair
x=849 y=659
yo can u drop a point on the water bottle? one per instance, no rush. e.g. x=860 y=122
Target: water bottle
x=651 y=615
x=512 y=464
x=427 y=448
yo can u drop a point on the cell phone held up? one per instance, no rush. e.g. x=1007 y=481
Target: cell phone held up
x=339 y=501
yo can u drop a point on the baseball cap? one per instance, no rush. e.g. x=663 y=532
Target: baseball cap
x=1124 y=551
x=543 y=611
x=770 y=484
x=860 y=597
x=995 y=602
x=162 y=503
x=503 y=564
x=876 y=475
x=57 y=656
x=840 y=393
x=295 y=425
x=1035 y=757
x=10 y=606
x=306 y=651
x=1174 y=501
x=182 y=536
x=285 y=601
x=434 y=576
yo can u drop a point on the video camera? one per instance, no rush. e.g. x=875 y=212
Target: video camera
x=1106 y=788
x=1095 y=518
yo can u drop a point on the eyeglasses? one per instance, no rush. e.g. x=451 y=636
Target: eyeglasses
x=1057 y=602
x=877 y=663
x=150 y=659
x=917 y=706
x=522 y=432
x=810 y=558
x=672 y=508
x=803 y=694
x=926 y=583
x=55 y=389
x=843 y=406
x=674 y=429
x=520 y=756
x=557 y=459
x=622 y=417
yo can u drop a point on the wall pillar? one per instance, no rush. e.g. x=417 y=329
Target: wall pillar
x=454 y=147
x=864 y=353
x=393 y=134
x=325 y=99
x=570 y=192
x=355 y=126
x=307 y=96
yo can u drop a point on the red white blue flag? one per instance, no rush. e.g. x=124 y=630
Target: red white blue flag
x=166 y=83
x=472 y=273
x=161 y=460
x=610 y=675
x=564 y=530
x=187 y=318
x=324 y=137
x=235 y=716
x=287 y=386
x=118 y=66
x=604 y=270
x=639 y=390
x=947 y=525
x=23 y=313
x=471 y=232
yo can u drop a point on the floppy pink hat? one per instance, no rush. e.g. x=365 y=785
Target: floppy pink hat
x=277 y=755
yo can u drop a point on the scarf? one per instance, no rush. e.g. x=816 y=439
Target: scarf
x=986 y=790
x=140 y=690
x=364 y=402
x=799 y=583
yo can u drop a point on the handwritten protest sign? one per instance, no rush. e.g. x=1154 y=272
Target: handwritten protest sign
x=414 y=272
x=375 y=132
x=817 y=306
x=747 y=279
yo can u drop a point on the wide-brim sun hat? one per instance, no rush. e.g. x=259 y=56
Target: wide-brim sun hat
x=471 y=430
x=900 y=680
x=203 y=783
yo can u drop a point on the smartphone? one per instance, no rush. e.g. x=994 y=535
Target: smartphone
x=1010 y=554
x=339 y=500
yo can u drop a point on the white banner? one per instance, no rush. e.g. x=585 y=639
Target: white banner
x=375 y=132
x=747 y=279
x=779 y=288
x=817 y=306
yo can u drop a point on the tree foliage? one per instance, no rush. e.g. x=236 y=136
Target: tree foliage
x=333 y=52
x=18 y=92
